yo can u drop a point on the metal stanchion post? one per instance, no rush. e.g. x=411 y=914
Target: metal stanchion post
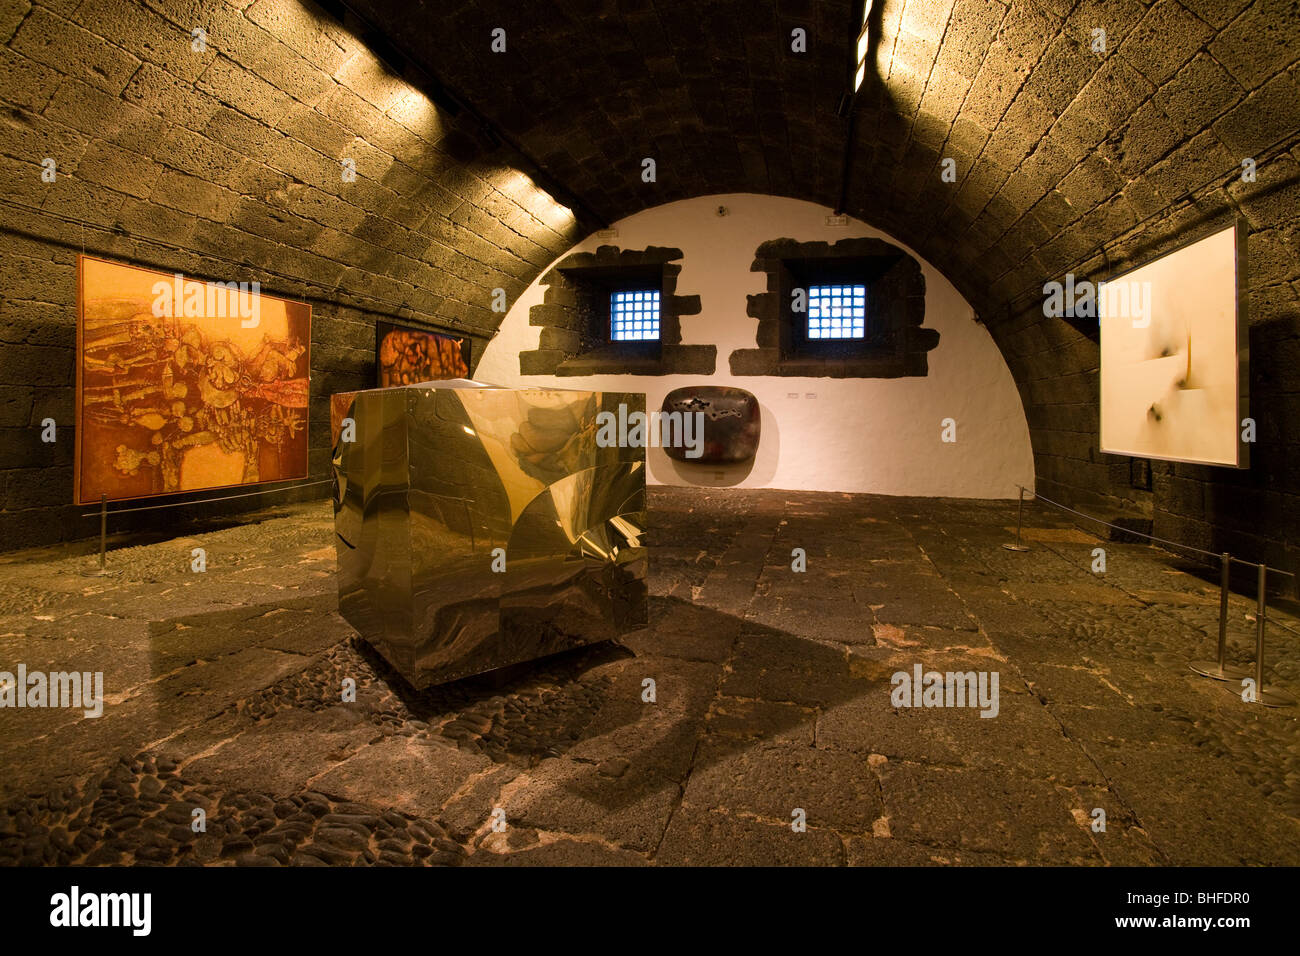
x=103 y=530
x=1220 y=670
x=1265 y=696
x=102 y=571
x=1020 y=511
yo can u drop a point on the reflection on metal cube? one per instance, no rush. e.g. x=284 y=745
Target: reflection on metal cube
x=442 y=474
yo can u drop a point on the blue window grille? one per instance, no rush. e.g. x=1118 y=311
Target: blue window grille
x=837 y=312
x=634 y=316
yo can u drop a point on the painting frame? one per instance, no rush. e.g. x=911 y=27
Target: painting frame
x=290 y=393
x=384 y=328
x=1239 y=361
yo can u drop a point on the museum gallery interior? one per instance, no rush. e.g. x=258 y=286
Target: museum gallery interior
x=670 y=432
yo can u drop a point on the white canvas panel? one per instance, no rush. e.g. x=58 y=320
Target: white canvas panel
x=1169 y=371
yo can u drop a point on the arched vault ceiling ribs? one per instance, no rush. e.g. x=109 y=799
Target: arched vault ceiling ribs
x=1058 y=148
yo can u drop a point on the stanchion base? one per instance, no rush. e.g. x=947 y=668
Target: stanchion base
x=1212 y=669
x=1015 y=547
x=1273 y=698
x=100 y=573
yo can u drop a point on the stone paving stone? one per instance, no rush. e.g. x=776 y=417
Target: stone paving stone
x=572 y=796
x=306 y=631
x=983 y=810
x=1173 y=689
x=998 y=611
x=704 y=838
x=729 y=587
x=681 y=687
x=877 y=851
x=779 y=667
x=1048 y=647
x=1123 y=842
x=661 y=742
x=154 y=712
x=1036 y=592
x=283 y=755
x=805 y=686
x=762 y=720
x=697 y=645
x=121 y=644
x=836 y=789
x=209 y=733
x=471 y=807
x=928 y=638
x=933 y=606
x=560 y=852
x=683 y=630
x=1196 y=808
x=412 y=775
x=1077 y=684
x=240 y=678
x=1121 y=723
x=287 y=626
x=1192 y=596
x=1024 y=737
x=850 y=624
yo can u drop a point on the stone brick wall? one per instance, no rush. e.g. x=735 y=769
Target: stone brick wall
x=1058 y=150
x=1070 y=160
x=226 y=164
x=1064 y=158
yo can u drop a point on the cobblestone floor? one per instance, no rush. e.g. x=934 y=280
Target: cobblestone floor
x=773 y=693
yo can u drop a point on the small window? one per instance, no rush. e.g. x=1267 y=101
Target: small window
x=837 y=312
x=634 y=316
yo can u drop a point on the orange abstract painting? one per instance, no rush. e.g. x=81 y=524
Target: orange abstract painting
x=184 y=385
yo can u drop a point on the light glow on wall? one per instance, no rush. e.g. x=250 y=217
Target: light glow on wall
x=864 y=42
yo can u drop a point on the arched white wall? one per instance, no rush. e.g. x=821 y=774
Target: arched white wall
x=853 y=434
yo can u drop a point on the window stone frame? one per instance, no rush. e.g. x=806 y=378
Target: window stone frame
x=574 y=317
x=896 y=345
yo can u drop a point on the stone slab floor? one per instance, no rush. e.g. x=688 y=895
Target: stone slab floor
x=772 y=693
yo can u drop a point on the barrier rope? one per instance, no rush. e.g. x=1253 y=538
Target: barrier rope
x=1272 y=620
x=205 y=501
x=1149 y=537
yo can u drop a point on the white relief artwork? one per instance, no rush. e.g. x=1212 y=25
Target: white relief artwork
x=1170 y=358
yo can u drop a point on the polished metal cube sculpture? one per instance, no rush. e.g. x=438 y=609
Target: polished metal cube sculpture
x=479 y=526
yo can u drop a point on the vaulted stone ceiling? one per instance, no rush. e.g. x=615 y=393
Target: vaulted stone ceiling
x=589 y=89
x=1072 y=153
x=1058 y=148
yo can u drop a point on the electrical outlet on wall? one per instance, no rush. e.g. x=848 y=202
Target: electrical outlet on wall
x=791 y=394
x=810 y=395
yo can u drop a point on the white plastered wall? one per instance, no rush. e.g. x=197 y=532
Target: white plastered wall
x=854 y=434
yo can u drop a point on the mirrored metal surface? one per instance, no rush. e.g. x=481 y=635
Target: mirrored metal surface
x=440 y=476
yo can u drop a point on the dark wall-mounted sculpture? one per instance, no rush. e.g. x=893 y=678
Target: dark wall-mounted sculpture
x=442 y=475
x=729 y=418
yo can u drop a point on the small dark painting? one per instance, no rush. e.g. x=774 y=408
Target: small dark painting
x=405 y=356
